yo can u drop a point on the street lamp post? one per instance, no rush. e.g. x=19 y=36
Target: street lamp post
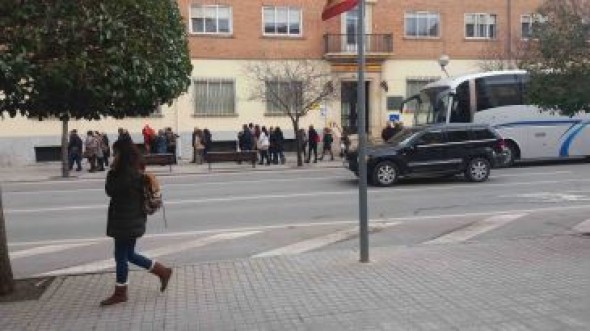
x=363 y=214
x=443 y=61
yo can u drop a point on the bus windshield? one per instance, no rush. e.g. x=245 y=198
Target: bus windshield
x=432 y=105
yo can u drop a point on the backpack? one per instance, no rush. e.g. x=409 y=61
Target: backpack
x=152 y=196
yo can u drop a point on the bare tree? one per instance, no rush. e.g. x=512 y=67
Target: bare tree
x=291 y=88
x=496 y=56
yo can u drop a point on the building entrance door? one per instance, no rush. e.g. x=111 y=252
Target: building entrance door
x=348 y=102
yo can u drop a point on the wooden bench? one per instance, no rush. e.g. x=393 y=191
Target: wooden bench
x=160 y=159
x=244 y=156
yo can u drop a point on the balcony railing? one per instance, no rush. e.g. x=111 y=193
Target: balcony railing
x=344 y=43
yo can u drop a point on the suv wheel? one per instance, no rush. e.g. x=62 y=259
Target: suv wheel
x=478 y=170
x=385 y=174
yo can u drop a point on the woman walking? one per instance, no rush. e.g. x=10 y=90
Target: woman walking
x=327 y=147
x=127 y=218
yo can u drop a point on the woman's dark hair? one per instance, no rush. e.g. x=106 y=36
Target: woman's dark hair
x=127 y=157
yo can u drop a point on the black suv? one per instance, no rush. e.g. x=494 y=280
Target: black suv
x=441 y=149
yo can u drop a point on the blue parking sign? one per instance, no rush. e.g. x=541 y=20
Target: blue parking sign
x=393 y=117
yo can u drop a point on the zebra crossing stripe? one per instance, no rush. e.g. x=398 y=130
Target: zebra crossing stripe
x=583 y=227
x=46 y=250
x=318 y=242
x=475 y=229
x=102 y=265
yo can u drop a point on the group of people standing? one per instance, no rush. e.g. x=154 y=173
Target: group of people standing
x=268 y=142
x=164 y=141
x=95 y=148
x=309 y=143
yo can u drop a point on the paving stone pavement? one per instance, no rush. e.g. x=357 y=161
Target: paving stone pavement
x=525 y=284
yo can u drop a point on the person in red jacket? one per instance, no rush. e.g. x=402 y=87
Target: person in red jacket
x=149 y=136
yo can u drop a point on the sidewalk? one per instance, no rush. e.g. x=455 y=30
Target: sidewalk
x=52 y=170
x=525 y=284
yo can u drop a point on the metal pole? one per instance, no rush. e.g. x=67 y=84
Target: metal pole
x=363 y=219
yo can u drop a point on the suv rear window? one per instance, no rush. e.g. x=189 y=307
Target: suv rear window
x=481 y=134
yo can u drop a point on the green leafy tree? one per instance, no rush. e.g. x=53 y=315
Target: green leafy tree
x=87 y=59
x=558 y=58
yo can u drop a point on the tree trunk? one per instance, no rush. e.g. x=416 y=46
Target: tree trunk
x=297 y=141
x=65 y=162
x=6 y=278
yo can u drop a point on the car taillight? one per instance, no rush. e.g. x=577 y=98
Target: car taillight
x=501 y=144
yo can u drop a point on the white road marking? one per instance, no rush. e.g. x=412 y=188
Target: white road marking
x=46 y=250
x=467 y=186
x=475 y=229
x=166 y=250
x=533 y=174
x=318 y=242
x=550 y=197
x=278 y=180
x=583 y=227
x=165 y=175
x=308 y=224
x=196 y=185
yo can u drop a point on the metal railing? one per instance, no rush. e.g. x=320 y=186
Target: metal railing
x=343 y=43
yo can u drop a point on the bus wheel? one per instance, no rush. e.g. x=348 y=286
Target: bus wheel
x=512 y=153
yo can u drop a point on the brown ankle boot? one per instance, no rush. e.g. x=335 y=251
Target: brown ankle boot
x=120 y=295
x=163 y=273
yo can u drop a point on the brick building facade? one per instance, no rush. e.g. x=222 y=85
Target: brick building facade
x=405 y=40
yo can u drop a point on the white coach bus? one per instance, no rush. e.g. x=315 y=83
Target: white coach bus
x=497 y=98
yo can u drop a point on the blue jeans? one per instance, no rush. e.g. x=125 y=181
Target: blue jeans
x=75 y=158
x=124 y=253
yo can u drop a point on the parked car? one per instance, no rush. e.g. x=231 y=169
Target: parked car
x=434 y=150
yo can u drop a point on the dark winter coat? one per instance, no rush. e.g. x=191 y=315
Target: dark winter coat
x=75 y=144
x=387 y=133
x=280 y=140
x=313 y=137
x=246 y=141
x=328 y=139
x=126 y=218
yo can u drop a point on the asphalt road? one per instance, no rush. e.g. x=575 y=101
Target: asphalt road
x=60 y=225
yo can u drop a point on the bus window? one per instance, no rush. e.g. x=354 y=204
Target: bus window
x=461 y=110
x=498 y=91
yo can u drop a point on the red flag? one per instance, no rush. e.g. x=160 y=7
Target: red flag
x=337 y=7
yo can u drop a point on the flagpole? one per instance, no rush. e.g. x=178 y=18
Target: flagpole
x=363 y=217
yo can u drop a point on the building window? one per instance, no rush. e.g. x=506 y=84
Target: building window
x=526 y=26
x=482 y=26
x=280 y=95
x=213 y=19
x=215 y=97
x=422 y=25
x=529 y=23
x=282 y=21
x=415 y=84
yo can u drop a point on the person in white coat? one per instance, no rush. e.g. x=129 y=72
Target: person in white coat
x=263 y=145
